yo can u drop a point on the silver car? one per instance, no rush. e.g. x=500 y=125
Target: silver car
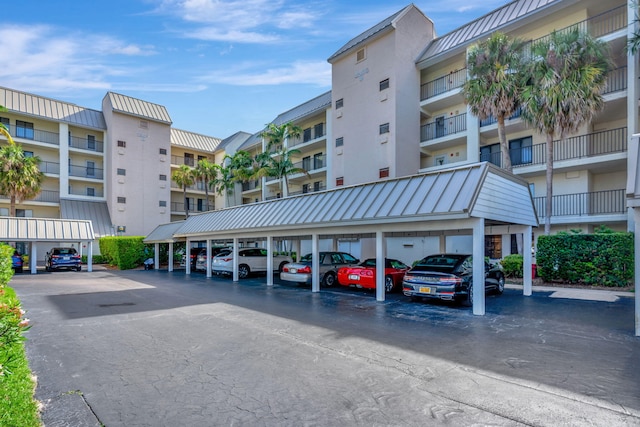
x=329 y=263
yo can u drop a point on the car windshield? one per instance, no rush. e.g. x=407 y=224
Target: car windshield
x=438 y=263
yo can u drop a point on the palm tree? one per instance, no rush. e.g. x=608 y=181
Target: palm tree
x=494 y=84
x=279 y=164
x=280 y=134
x=633 y=44
x=20 y=175
x=184 y=177
x=206 y=172
x=567 y=75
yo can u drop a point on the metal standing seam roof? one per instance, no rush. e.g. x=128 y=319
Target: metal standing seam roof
x=51 y=109
x=139 y=108
x=480 y=190
x=313 y=106
x=44 y=229
x=484 y=25
x=376 y=29
x=164 y=233
x=196 y=141
x=96 y=212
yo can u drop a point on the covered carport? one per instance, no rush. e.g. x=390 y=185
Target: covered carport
x=473 y=200
x=47 y=230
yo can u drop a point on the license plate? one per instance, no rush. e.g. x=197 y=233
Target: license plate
x=66 y=258
x=293 y=270
x=354 y=277
x=425 y=290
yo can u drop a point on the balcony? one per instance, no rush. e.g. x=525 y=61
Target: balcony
x=309 y=134
x=611 y=202
x=251 y=185
x=616 y=80
x=45 y=196
x=312 y=164
x=178 y=160
x=89 y=144
x=197 y=186
x=32 y=134
x=453 y=80
x=577 y=147
x=177 y=207
x=85 y=172
x=87 y=192
x=310 y=189
x=443 y=126
x=50 y=168
x=492 y=120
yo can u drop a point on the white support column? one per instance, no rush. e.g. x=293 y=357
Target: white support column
x=478 y=268
x=315 y=263
x=207 y=264
x=269 y=261
x=156 y=256
x=235 y=259
x=33 y=258
x=527 y=274
x=170 y=256
x=90 y=256
x=380 y=264
x=187 y=263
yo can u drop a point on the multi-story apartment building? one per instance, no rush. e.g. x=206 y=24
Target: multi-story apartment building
x=395 y=109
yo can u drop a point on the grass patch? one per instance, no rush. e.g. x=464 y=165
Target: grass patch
x=18 y=408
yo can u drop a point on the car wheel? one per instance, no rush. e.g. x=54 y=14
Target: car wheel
x=281 y=266
x=329 y=279
x=243 y=271
x=469 y=300
x=414 y=298
x=19 y=270
x=500 y=288
x=78 y=268
x=47 y=268
x=388 y=284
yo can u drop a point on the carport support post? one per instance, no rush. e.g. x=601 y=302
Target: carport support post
x=636 y=245
x=33 y=260
x=527 y=274
x=315 y=263
x=207 y=264
x=380 y=265
x=235 y=259
x=187 y=263
x=90 y=257
x=170 y=256
x=269 y=261
x=156 y=256
x=478 y=267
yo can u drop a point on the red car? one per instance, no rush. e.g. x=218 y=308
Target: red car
x=364 y=274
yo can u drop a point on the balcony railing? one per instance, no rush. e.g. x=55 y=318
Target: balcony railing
x=576 y=147
x=87 y=192
x=317 y=131
x=491 y=120
x=442 y=127
x=311 y=164
x=616 y=80
x=584 y=204
x=179 y=207
x=178 y=160
x=85 y=172
x=50 y=167
x=34 y=134
x=251 y=185
x=599 y=25
x=443 y=84
x=86 y=144
x=46 y=196
x=308 y=190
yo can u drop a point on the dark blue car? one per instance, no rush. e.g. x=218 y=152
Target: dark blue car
x=59 y=258
x=17 y=262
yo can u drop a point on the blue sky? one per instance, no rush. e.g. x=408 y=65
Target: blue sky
x=218 y=66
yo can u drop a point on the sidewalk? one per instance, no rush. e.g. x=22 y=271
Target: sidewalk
x=605 y=295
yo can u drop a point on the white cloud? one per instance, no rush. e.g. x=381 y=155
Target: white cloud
x=316 y=73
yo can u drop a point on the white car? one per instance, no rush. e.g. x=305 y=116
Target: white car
x=201 y=259
x=251 y=260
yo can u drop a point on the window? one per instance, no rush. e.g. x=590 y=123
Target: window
x=91 y=191
x=188 y=159
x=162 y=203
x=493 y=246
x=122 y=172
x=91 y=169
x=318 y=161
x=122 y=144
x=339 y=142
x=163 y=151
x=5 y=121
x=122 y=200
x=339 y=103
x=306 y=135
x=305 y=188
x=384 y=128
x=306 y=163
x=384 y=173
x=4 y=211
x=491 y=153
x=520 y=151
x=200 y=205
x=384 y=84
x=24 y=213
x=339 y=181
x=361 y=55
x=163 y=177
x=28 y=153
x=24 y=129
x=202 y=157
x=317 y=185
x=439 y=160
x=318 y=130
x=91 y=142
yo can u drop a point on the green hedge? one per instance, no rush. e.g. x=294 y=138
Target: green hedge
x=124 y=252
x=602 y=259
x=512 y=265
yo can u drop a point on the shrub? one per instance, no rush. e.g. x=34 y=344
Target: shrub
x=97 y=259
x=512 y=265
x=125 y=252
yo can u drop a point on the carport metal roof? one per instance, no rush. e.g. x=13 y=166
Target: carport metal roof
x=45 y=229
x=479 y=190
x=164 y=233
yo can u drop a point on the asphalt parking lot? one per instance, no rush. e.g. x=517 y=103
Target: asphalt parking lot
x=153 y=348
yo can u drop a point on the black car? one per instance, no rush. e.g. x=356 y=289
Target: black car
x=59 y=258
x=449 y=277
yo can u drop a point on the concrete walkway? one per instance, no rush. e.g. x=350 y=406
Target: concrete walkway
x=152 y=348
